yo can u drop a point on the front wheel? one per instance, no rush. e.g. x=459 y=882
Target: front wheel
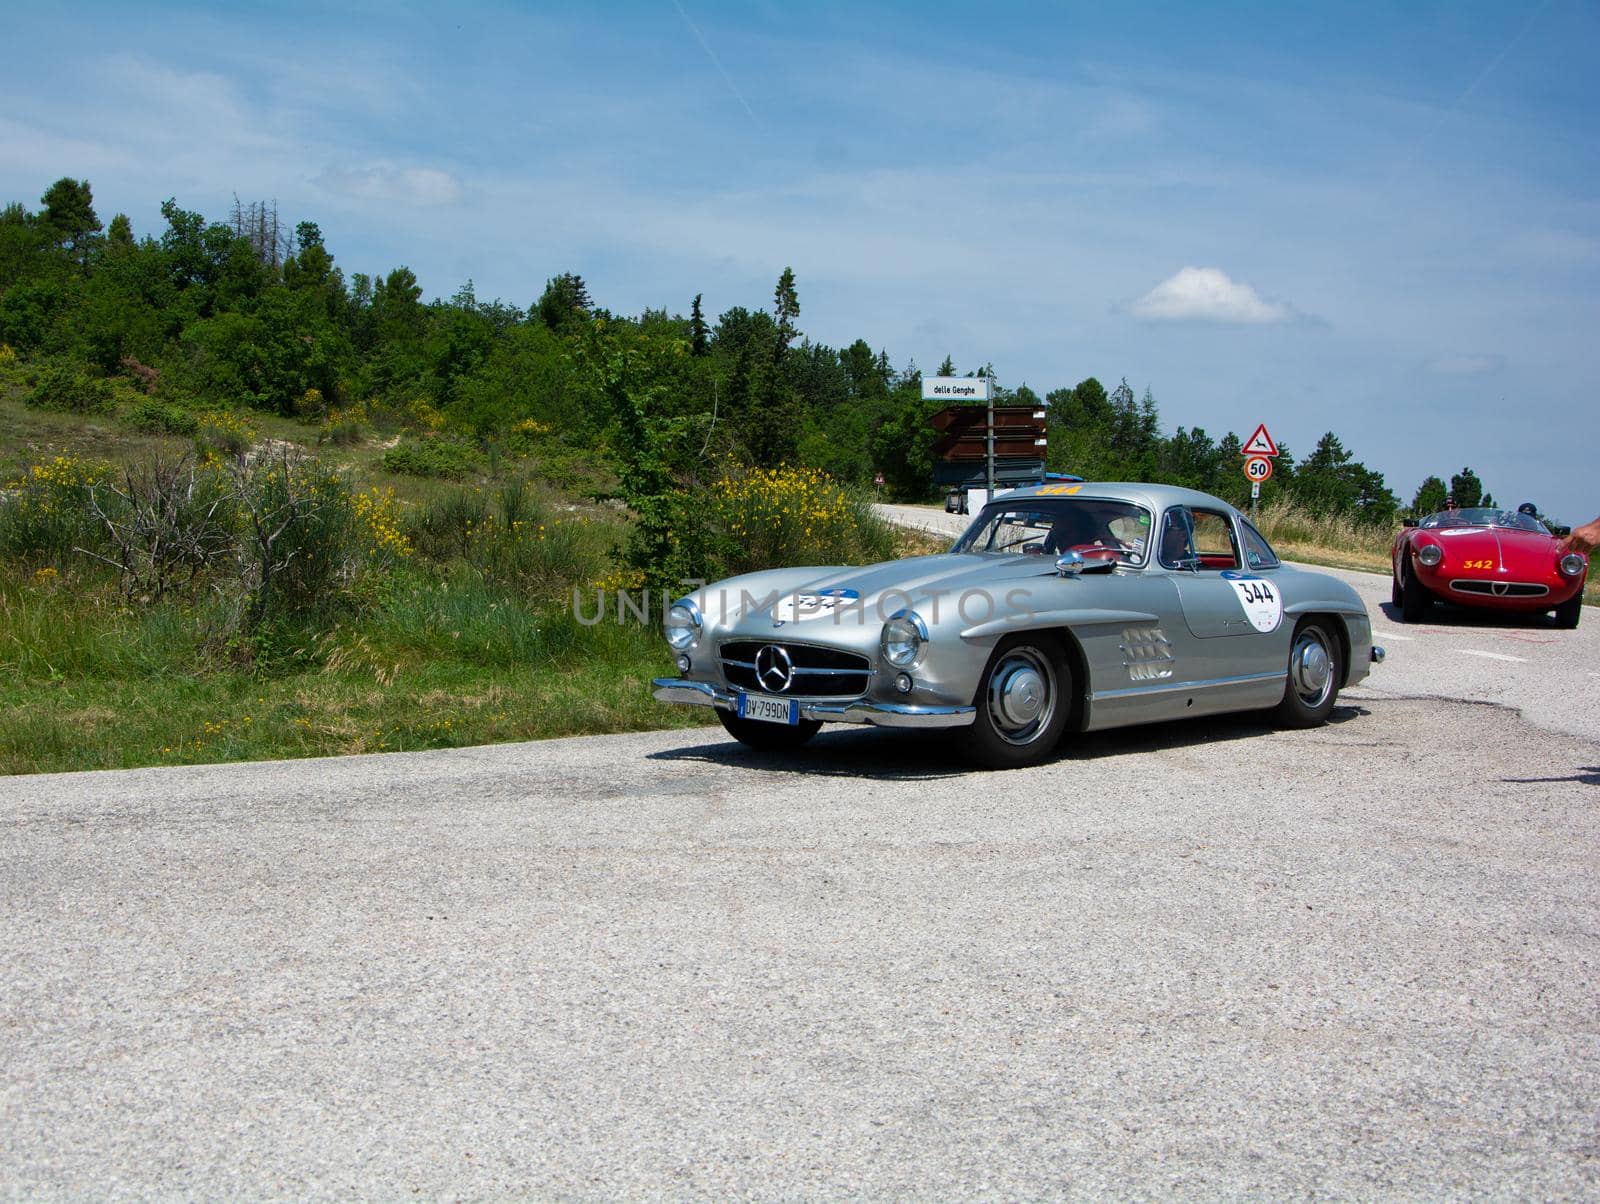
x=1313 y=683
x=1414 y=597
x=768 y=737
x=1570 y=611
x=1022 y=704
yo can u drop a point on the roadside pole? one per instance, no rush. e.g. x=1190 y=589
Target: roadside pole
x=1258 y=452
x=989 y=452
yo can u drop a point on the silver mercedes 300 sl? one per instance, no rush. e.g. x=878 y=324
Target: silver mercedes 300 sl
x=1063 y=607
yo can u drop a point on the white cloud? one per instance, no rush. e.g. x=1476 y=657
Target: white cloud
x=1208 y=295
x=1465 y=365
x=425 y=187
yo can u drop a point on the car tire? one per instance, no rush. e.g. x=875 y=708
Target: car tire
x=1314 y=671
x=1414 y=597
x=1023 y=701
x=768 y=737
x=1570 y=611
x=1396 y=599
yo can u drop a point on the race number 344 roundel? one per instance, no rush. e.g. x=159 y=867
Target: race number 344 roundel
x=1260 y=599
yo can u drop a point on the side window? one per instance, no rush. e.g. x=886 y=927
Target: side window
x=1258 y=553
x=1177 y=549
x=1213 y=540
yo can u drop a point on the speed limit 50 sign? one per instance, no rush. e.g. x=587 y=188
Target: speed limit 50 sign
x=1258 y=468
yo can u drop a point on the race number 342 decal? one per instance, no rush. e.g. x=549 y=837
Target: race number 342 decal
x=1260 y=600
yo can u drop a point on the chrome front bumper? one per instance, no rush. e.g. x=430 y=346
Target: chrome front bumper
x=859 y=710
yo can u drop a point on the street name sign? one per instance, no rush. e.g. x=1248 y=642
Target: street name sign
x=955 y=388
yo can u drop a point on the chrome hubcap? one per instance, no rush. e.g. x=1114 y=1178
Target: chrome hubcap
x=1311 y=668
x=1022 y=696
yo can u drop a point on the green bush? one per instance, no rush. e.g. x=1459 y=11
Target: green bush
x=446 y=459
x=62 y=388
x=346 y=432
x=47 y=514
x=222 y=434
x=512 y=538
x=444 y=527
x=302 y=541
x=157 y=419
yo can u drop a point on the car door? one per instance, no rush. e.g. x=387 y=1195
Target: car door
x=1231 y=603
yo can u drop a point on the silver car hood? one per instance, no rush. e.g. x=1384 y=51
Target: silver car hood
x=877 y=589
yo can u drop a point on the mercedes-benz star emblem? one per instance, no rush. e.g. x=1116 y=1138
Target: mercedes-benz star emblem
x=774 y=668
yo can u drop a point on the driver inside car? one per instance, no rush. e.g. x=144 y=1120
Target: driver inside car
x=1074 y=528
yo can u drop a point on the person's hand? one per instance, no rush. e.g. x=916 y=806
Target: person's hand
x=1583 y=539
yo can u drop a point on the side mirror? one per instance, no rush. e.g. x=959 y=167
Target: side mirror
x=1408 y=522
x=1560 y=532
x=1074 y=564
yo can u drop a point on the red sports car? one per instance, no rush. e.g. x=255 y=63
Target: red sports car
x=1502 y=560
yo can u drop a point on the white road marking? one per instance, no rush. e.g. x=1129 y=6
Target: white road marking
x=1394 y=635
x=1494 y=656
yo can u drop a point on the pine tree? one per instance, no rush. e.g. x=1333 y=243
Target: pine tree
x=697 y=328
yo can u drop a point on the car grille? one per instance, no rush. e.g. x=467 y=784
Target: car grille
x=1501 y=589
x=818 y=672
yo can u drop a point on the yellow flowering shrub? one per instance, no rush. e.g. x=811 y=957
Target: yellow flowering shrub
x=47 y=513
x=223 y=433
x=381 y=515
x=421 y=413
x=787 y=516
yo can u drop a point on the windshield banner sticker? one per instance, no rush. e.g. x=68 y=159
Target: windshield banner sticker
x=1259 y=598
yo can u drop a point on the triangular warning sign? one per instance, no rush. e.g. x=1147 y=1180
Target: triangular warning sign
x=1259 y=444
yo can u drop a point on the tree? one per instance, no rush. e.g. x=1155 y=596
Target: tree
x=1466 y=488
x=564 y=302
x=785 y=309
x=948 y=368
x=1429 y=497
x=69 y=215
x=1331 y=481
x=771 y=427
x=120 y=235
x=697 y=328
x=257 y=224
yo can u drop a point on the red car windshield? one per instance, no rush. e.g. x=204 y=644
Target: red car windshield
x=1484 y=517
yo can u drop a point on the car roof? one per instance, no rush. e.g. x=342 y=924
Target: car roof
x=1151 y=496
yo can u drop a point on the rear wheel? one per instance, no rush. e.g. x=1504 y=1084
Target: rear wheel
x=1414 y=596
x=769 y=737
x=1570 y=611
x=1022 y=704
x=1314 y=672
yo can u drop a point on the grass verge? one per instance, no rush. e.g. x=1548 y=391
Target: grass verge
x=100 y=685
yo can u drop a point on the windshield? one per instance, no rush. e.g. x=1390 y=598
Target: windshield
x=1484 y=517
x=1044 y=526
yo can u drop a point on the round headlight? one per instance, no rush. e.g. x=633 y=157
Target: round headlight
x=1572 y=564
x=904 y=636
x=683 y=624
x=1430 y=554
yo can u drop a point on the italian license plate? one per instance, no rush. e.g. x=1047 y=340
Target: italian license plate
x=768 y=709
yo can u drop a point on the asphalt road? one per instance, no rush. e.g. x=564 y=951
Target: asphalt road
x=1196 y=960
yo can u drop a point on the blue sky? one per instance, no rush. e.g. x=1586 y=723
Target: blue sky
x=1379 y=220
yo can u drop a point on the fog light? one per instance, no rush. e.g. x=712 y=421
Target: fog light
x=903 y=683
x=683 y=664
